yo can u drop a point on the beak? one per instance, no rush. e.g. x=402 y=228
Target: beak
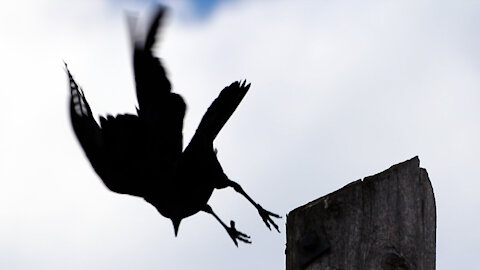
x=176 y=224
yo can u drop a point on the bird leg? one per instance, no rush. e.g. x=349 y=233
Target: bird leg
x=232 y=231
x=266 y=215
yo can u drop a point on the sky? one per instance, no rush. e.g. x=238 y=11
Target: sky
x=340 y=90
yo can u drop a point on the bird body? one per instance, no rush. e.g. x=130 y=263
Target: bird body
x=142 y=155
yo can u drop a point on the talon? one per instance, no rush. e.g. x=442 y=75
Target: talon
x=266 y=217
x=237 y=235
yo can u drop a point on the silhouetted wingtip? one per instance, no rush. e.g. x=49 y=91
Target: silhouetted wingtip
x=132 y=19
x=65 y=66
x=244 y=85
x=156 y=22
x=241 y=84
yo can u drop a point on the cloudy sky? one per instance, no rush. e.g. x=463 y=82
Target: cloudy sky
x=340 y=90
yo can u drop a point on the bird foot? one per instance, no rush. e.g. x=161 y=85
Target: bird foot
x=237 y=235
x=266 y=216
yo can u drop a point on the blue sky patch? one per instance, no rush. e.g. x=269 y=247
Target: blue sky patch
x=204 y=8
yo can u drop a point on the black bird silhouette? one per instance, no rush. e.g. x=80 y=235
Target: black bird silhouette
x=141 y=155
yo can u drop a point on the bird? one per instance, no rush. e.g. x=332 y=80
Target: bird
x=142 y=154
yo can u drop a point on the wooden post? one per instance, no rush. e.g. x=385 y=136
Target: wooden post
x=386 y=221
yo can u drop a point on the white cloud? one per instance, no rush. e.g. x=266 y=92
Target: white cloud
x=340 y=90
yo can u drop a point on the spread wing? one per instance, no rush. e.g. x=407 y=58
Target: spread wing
x=116 y=150
x=152 y=85
x=221 y=109
x=84 y=125
x=158 y=106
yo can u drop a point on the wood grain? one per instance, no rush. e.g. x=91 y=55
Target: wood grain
x=386 y=221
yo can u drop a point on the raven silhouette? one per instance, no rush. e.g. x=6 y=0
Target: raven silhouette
x=142 y=155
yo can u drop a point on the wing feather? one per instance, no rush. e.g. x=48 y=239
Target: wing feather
x=152 y=85
x=161 y=109
x=221 y=109
x=117 y=150
x=84 y=125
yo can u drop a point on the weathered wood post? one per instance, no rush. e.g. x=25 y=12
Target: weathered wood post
x=386 y=221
